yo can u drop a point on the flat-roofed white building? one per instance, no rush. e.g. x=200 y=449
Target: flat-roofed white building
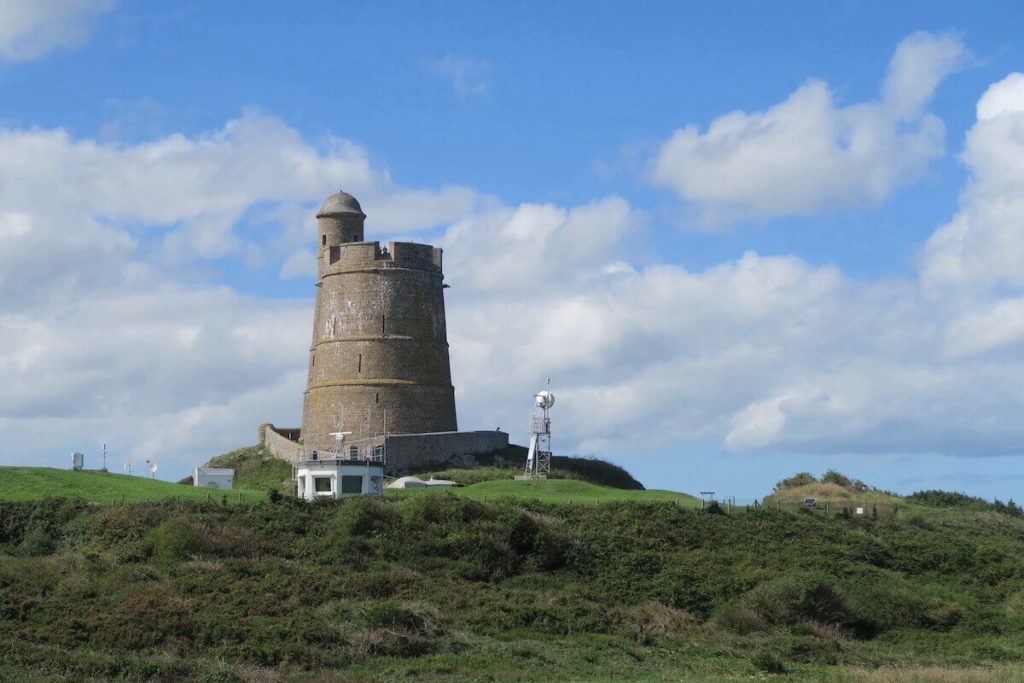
x=213 y=477
x=341 y=471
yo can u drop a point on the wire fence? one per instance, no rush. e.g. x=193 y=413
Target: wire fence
x=828 y=507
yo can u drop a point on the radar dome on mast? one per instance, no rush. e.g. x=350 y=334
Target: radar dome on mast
x=544 y=399
x=538 y=458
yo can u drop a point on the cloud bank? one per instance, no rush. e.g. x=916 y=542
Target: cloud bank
x=806 y=154
x=110 y=332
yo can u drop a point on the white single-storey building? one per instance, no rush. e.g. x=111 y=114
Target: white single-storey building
x=338 y=479
x=409 y=482
x=213 y=477
x=441 y=482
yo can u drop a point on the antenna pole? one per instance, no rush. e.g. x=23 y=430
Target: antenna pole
x=104 y=457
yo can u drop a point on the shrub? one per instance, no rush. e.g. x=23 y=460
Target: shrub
x=951 y=499
x=172 y=541
x=799 y=596
x=741 y=619
x=800 y=479
x=767 y=662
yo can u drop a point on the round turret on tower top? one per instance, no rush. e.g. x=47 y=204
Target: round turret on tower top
x=340 y=203
x=340 y=220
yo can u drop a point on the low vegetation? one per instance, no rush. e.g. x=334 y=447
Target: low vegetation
x=442 y=587
x=947 y=499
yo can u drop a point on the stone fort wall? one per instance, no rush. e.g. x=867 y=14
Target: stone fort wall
x=405 y=452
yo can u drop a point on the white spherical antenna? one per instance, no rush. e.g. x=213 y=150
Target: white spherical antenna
x=544 y=399
x=153 y=468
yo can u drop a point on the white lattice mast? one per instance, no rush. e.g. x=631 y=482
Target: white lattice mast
x=538 y=459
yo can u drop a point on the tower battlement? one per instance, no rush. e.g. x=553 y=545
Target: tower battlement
x=369 y=255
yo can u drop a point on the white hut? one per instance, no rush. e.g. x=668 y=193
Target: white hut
x=213 y=477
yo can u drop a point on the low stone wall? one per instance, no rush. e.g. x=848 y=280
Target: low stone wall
x=278 y=443
x=406 y=452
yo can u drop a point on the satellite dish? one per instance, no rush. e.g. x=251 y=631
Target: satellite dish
x=153 y=468
x=544 y=399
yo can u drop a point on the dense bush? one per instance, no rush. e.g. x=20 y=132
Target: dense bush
x=441 y=587
x=949 y=499
x=799 y=479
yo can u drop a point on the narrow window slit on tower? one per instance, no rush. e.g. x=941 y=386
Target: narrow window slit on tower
x=323 y=240
x=360 y=363
x=383 y=324
x=377 y=400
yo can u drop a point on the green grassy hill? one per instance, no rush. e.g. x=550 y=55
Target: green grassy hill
x=553 y=491
x=256 y=469
x=441 y=587
x=36 y=483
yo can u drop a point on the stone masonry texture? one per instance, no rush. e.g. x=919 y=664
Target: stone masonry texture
x=379 y=357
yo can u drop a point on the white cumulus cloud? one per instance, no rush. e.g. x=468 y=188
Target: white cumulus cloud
x=983 y=244
x=807 y=154
x=30 y=29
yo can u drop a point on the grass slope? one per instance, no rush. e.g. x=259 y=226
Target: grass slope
x=256 y=469
x=445 y=588
x=554 y=491
x=36 y=483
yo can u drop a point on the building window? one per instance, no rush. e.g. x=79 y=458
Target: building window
x=322 y=484
x=360 y=363
x=335 y=254
x=351 y=483
x=323 y=240
x=378 y=452
x=353 y=452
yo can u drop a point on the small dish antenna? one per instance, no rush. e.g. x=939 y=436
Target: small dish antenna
x=152 y=470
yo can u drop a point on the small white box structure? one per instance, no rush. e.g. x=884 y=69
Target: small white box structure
x=77 y=461
x=441 y=482
x=338 y=479
x=860 y=511
x=407 y=483
x=340 y=470
x=213 y=477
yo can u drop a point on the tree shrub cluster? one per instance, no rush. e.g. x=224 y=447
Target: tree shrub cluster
x=442 y=587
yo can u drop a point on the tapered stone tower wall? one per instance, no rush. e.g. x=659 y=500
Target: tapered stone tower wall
x=379 y=358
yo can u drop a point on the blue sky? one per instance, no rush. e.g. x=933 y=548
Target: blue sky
x=742 y=238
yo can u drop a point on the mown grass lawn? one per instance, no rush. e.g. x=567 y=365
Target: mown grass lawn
x=565 y=491
x=37 y=483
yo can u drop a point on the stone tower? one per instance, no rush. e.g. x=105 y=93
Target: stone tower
x=379 y=359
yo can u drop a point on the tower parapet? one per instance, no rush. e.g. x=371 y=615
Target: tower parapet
x=379 y=358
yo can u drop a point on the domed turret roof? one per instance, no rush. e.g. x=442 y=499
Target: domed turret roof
x=340 y=202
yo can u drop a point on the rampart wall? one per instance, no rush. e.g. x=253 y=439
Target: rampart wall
x=405 y=452
x=281 y=443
